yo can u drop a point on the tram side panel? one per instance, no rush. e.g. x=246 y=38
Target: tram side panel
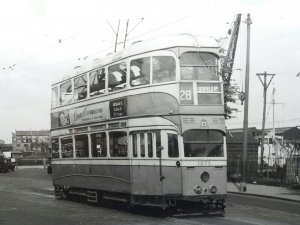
x=112 y=178
x=147 y=180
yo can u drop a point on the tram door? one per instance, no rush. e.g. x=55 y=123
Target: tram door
x=152 y=169
x=171 y=164
x=145 y=170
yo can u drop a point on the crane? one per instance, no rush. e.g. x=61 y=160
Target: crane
x=227 y=65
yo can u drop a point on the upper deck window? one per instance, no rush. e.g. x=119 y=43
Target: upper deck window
x=66 y=92
x=54 y=99
x=117 y=76
x=80 y=87
x=140 y=71
x=164 y=68
x=199 y=66
x=97 y=82
x=203 y=143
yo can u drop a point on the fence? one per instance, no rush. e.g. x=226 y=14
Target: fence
x=279 y=171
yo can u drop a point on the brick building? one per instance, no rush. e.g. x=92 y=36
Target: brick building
x=31 y=142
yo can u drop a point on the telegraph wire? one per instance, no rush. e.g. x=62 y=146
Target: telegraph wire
x=161 y=27
x=59 y=41
x=62 y=40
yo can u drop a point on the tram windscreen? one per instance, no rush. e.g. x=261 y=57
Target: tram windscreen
x=203 y=143
x=199 y=66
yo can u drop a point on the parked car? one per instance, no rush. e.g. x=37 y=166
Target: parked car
x=3 y=164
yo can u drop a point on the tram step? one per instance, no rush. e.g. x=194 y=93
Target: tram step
x=92 y=196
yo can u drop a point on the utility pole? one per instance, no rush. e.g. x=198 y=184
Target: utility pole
x=265 y=86
x=245 y=141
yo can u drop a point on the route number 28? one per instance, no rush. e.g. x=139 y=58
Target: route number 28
x=185 y=95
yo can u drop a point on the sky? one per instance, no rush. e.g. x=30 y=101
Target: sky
x=41 y=40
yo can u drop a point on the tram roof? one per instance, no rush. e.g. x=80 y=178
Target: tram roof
x=143 y=46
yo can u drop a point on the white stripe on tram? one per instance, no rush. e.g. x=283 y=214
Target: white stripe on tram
x=140 y=162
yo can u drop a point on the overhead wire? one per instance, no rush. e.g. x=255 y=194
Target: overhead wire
x=60 y=40
x=161 y=27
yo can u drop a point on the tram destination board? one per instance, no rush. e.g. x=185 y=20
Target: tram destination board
x=118 y=108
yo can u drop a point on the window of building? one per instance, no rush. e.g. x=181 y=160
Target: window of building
x=140 y=71
x=173 y=150
x=199 y=66
x=55 y=148
x=164 y=68
x=117 y=76
x=99 y=148
x=203 y=143
x=54 y=97
x=67 y=147
x=82 y=145
x=66 y=92
x=118 y=144
x=80 y=87
x=97 y=82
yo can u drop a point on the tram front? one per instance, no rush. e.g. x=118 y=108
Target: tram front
x=204 y=164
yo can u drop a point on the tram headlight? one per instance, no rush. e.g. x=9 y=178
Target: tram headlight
x=204 y=176
x=198 y=190
x=213 y=189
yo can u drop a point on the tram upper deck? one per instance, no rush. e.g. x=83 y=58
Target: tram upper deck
x=174 y=75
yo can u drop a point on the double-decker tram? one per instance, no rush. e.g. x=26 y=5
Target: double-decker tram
x=144 y=126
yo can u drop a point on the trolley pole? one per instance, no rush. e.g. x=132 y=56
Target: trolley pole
x=245 y=141
x=265 y=86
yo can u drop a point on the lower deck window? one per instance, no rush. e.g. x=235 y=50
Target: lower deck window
x=81 y=145
x=67 y=147
x=203 y=143
x=173 y=150
x=55 y=148
x=99 y=148
x=118 y=144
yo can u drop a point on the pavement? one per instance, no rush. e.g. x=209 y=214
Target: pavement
x=283 y=193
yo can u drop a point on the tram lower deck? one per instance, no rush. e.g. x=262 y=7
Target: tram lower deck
x=171 y=184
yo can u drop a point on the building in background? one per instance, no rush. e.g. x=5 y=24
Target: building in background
x=5 y=147
x=31 y=142
x=234 y=139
